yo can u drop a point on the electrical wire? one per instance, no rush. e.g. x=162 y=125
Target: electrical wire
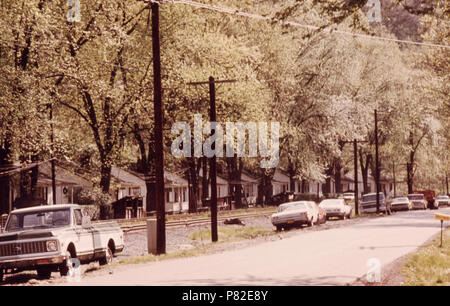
x=297 y=24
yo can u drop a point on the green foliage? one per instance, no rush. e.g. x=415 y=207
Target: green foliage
x=93 y=196
x=429 y=266
x=232 y=233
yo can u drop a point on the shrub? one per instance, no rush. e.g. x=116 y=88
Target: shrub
x=96 y=197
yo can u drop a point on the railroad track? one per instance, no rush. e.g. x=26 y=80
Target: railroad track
x=185 y=223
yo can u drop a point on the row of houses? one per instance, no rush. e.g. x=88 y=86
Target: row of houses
x=129 y=184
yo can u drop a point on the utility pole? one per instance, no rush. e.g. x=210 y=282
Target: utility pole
x=446 y=181
x=52 y=156
x=393 y=173
x=355 y=156
x=159 y=152
x=212 y=165
x=377 y=170
x=212 y=118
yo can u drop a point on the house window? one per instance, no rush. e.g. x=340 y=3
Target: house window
x=176 y=194
x=136 y=191
x=167 y=195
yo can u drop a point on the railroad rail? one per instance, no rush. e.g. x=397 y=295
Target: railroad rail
x=192 y=222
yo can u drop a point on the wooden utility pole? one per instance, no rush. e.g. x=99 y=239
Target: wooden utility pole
x=355 y=156
x=213 y=170
x=159 y=152
x=212 y=165
x=377 y=169
x=395 y=183
x=446 y=181
x=52 y=144
x=355 y=163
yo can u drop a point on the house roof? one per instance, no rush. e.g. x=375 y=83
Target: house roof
x=63 y=176
x=280 y=177
x=246 y=177
x=130 y=178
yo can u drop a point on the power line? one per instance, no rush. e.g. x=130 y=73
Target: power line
x=300 y=25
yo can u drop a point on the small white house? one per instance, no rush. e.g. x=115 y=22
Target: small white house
x=280 y=182
x=250 y=186
x=133 y=184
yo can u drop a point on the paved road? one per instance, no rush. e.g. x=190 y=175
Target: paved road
x=329 y=257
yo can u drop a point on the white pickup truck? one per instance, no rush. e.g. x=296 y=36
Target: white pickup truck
x=48 y=238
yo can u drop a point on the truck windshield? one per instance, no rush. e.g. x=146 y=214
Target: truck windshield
x=38 y=219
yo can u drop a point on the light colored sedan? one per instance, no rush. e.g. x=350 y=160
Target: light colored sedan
x=442 y=200
x=418 y=201
x=336 y=208
x=401 y=203
x=295 y=213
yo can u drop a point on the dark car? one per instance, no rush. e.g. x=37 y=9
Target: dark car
x=281 y=198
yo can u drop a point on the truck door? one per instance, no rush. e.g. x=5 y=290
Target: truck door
x=85 y=247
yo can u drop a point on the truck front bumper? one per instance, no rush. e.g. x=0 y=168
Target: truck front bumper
x=31 y=262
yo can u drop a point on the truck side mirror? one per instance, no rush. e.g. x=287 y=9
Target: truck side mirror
x=86 y=222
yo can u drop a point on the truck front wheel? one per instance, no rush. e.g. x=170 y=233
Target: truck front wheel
x=108 y=257
x=64 y=267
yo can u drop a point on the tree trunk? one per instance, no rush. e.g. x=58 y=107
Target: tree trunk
x=327 y=185
x=410 y=165
x=304 y=185
x=265 y=189
x=205 y=185
x=365 y=170
x=337 y=175
x=34 y=178
x=105 y=177
x=193 y=180
x=5 y=153
x=409 y=177
x=235 y=167
x=291 y=172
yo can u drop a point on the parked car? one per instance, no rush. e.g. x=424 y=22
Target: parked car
x=401 y=203
x=349 y=196
x=336 y=208
x=418 y=201
x=47 y=238
x=442 y=200
x=369 y=203
x=429 y=196
x=294 y=213
x=281 y=198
